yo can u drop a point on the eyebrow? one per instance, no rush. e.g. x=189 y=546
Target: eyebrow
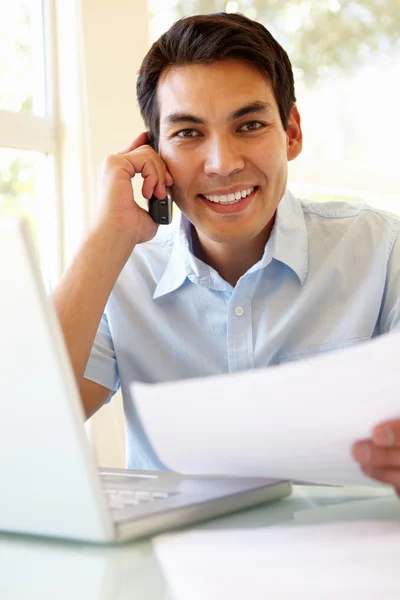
x=253 y=107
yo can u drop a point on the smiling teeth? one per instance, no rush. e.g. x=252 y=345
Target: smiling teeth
x=230 y=198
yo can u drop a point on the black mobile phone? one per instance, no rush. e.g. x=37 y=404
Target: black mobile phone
x=160 y=210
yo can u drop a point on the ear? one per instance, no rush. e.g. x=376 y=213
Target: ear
x=294 y=135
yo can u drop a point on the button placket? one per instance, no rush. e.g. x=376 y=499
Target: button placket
x=239 y=311
x=240 y=328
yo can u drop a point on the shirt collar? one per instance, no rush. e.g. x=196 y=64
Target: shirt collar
x=289 y=239
x=288 y=244
x=175 y=273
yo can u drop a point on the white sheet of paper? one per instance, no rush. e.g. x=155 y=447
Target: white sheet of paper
x=295 y=421
x=347 y=560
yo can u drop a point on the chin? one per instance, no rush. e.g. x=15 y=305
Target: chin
x=228 y=235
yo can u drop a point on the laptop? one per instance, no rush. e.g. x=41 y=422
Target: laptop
x=50 y=483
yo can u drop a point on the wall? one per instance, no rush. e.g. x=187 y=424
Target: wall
x=105 y=42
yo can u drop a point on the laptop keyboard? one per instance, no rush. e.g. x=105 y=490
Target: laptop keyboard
x=119 y=499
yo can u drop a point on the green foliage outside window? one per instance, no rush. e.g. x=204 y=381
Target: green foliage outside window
x=17 y=185
x=17 y=169
x=320 y=36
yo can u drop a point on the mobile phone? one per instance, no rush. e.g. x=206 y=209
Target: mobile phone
x=160 y=210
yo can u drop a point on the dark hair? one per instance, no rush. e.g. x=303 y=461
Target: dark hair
x=207 y=39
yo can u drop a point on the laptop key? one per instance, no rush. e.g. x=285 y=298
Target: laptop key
x=118 y=499
x=141 y=495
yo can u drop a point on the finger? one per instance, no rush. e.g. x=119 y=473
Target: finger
x=168 y=181
x=154 y=184
x=150 y=165
x=146 y=162
x=387 y=434
x=161 y=190
x=168 y=178
x=165 y=179
x=369 y=455
x=389 y=476
x=142 y=139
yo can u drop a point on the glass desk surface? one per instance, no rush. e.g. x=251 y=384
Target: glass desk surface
x=36 y=568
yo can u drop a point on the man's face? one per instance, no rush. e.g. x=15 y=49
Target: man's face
x=225 y=146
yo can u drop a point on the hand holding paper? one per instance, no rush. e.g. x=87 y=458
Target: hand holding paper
x=379 y=457
x=296 y=421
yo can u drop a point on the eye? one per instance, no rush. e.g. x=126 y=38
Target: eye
x=187 y=133
x=251 y=126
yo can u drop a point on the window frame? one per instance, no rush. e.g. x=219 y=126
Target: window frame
x=24 y=131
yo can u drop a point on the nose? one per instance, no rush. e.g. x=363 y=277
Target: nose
x=222 y=157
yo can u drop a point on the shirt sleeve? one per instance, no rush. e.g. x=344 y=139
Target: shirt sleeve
x=390 y=311
x=102 y=364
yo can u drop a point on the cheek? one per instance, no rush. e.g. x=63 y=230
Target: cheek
x=273 y=165
x=181 y=170
x=173 y=161
x=167 y=155
x=271 y=156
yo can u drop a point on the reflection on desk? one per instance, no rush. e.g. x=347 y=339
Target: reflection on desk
x=32 y=568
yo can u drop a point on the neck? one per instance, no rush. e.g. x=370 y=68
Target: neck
x=231 y=260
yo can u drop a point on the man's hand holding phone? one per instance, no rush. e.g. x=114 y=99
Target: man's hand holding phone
x=117 y=208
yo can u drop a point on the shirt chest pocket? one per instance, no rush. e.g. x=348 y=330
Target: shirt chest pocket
x=315 y=350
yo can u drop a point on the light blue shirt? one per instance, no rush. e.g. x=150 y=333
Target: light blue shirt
x=329 y=278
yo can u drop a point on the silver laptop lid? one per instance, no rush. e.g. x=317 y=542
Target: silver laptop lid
x=48 y=476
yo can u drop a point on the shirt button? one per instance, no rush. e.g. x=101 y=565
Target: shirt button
x=239 y=311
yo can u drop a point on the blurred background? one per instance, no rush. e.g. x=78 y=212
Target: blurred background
x=67 y=99
x=346 y=59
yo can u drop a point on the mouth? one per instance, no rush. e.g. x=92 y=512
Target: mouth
x=230 y=203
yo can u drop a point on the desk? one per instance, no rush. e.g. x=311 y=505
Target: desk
x=33 y=568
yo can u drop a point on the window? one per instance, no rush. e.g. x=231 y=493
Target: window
x=346 y=61
x=27 y=126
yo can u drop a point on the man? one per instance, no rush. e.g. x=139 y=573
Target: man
x=248 y=275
